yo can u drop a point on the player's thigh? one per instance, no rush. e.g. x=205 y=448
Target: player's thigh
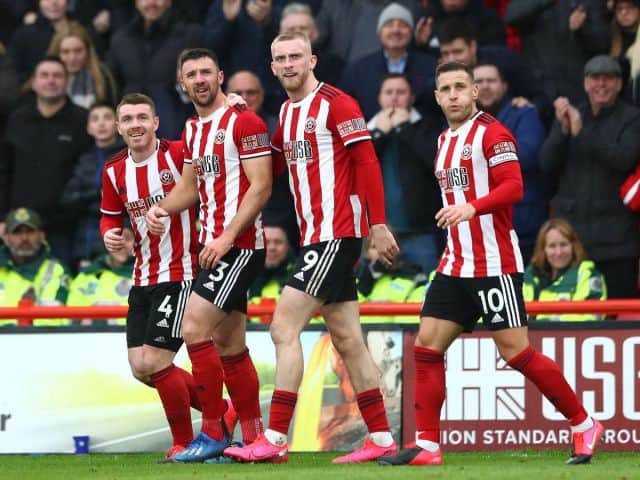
x=437 y=333
x=343 y=322
x=293 y=311
x=326 y=270
x=139 y=302
x=229 y=334
x=166 y=312
x=200 y=319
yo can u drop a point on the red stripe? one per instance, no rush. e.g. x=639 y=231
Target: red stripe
x=142 y=180
x=477 y=243
x=295 y=112
x=204 y=199
x=176 y=234
x=220 y=181
x=313 y=172
x=450 y=199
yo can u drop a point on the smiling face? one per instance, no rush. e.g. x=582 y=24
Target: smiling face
x=395 y=35
x=292 y=63
x=558 y=250
x=137 y=124
x=602 y=89
x=201 y=80
x=456 y=94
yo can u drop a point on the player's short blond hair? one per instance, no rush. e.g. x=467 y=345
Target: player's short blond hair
x=286 y=36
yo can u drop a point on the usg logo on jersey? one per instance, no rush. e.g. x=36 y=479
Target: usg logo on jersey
x=166 y=177
x=219 y=136
x=466 y=152
x=310 y=125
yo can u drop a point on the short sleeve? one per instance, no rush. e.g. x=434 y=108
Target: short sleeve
x=251 y=136
x=187 y=142
x=110 y=203
x=499 y=145
x=348 y=120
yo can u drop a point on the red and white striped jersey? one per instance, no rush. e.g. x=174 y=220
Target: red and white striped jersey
x=133 y=187
x=487 y=245
x=216 y=146
x=313 y=135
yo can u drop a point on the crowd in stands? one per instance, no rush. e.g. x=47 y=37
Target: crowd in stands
x=562 y=75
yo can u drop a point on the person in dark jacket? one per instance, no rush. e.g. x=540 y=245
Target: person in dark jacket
x=362 y=79
x=143 y=53
x=591 y=150
x=558 y=37
x=405 y=144
x=526 y=126
x=43 y=141
x=81 y=196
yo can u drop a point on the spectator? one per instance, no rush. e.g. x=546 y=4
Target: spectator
x=81 y=195
x=278 y=265
x=27 y=269
x=559 y=270
x=30 y=41
x=485 y=20
x=525 y=125
x=405 y=144
x=513 y=36
x=591 y=150
x=558 y=37
x=90 y=81
x=395 y=283
x=11 y=14
x=144 y=52
x=628 y=13
x=362 y=79
x=458 y=43
x=247 y=84
x=43 y=141
x=106 y=281
x=297 y=17
x=9 y=88
x=173 y=107
x=347 y=26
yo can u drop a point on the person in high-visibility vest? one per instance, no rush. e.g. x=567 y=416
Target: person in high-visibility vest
x=106 y=281
x=27 y=269
x=559 y=270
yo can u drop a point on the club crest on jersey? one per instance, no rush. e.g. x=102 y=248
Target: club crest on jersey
x=467 y=150
x=219 y=137
x=166 y=177
x=310 y=125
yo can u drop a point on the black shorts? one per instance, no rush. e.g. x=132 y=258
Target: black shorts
x=227 y=284
x=155 y=315
x=325 y=270
x=498 y=300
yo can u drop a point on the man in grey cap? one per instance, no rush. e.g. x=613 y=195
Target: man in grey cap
x=362 y=79
x=590 y=151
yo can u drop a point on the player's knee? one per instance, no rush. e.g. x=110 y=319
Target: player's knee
x=281 y=333
x=347 y=345
x=191 y=332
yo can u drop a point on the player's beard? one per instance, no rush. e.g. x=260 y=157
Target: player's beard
x=213 y=92
x=296 y=83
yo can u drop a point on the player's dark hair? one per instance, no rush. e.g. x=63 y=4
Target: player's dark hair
x=196 y=54
x=136 y=99
x=453 y=67
x=455 y=28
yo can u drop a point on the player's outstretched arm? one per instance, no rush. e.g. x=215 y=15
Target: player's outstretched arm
x=258 y=172
x=183 y=196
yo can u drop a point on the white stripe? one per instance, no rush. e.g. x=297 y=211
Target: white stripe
x=359 y=139
x=516 y=250
x=514 y=301
x=303 y=175
x=111 y=212
x=229 y=282
x=357 y=214
x=165 y=249
x=182 y=303
x=631 y=193
x=232 y=173
x=320 y=272
x=131 y=180
x=247 y=156
x=326 y=165
x=508 y=307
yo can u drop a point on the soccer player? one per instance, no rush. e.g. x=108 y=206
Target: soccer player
x=228 y=168
x=132 y=181
x=480 y=273
x=336 y=183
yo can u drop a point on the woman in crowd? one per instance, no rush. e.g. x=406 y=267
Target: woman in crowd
x=559 y=270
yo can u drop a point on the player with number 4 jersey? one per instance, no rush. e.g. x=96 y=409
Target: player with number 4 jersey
x=133 y=180
x=480 y=274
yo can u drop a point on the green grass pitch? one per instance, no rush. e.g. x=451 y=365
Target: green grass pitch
x=536 y=465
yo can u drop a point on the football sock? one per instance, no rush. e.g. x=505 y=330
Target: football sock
x=194 y=401
x=207 y=374
x=548 y=377
x=175 y=401
x=283 y=404
x=429 y=392
x=242 y=382
x=372 y=410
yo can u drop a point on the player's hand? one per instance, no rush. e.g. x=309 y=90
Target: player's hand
x=155 y=219
x=114 y=240
x=384 y=243
x=423 y=31
x=575 y=120
x=102 y=21
x=561 y=106
x=259 y=10
x=213 y=251
x=236 y=101
x=577 y=18
x=452 y=215
x=231 y=9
